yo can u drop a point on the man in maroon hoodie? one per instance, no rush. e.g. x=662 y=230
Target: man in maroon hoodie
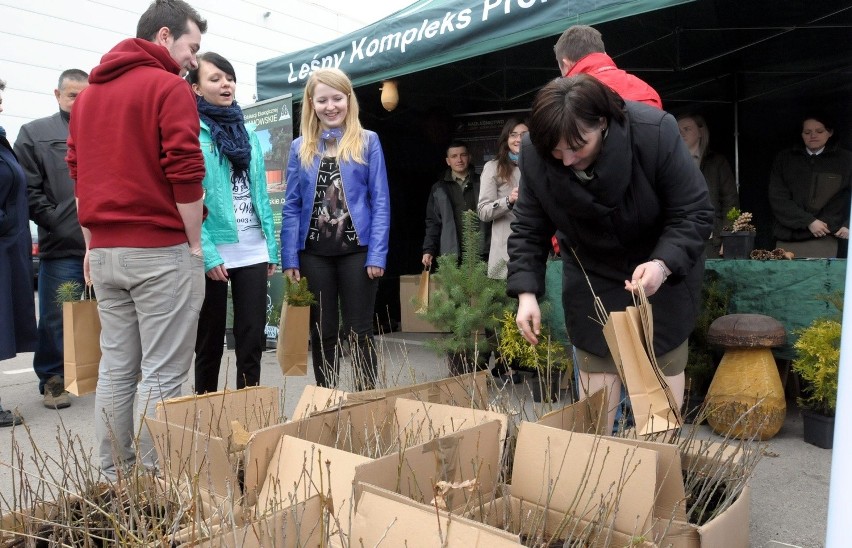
x=580 y=49
x=133 y=151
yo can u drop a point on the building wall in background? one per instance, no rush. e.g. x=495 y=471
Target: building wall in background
x=41 y=38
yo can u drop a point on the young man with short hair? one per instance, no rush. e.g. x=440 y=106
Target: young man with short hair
x=580 y=50
x=455 y=193
x=134 y=151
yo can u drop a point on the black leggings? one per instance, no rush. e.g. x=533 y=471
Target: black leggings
x=341 y=279
x=248 y=293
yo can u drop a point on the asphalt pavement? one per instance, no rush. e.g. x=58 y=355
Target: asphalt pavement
x=789 y=487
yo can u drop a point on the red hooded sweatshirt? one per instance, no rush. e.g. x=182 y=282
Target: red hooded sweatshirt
x=133 y=148
x=602 y=67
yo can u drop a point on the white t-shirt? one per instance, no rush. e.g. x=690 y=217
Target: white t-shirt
x=251 y=245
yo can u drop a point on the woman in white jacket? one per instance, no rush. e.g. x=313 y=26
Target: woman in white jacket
x=498 y=192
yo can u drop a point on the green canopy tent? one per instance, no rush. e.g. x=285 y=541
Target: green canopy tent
x=752 y=68
x=431 y=33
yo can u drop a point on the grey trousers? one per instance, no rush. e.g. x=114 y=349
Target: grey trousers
x=148 y=303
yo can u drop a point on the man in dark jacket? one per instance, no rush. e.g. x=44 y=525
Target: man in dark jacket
x=41 y=152
x=457 y=192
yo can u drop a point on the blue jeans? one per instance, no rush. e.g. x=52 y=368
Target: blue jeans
x=148 y=303
x=49 y=360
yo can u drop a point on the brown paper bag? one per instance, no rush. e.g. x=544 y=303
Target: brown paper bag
x=422 y=298
x=293 y=334
x=81 y=332
x=629 y=336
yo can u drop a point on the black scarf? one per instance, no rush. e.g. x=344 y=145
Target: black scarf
x=228 y=131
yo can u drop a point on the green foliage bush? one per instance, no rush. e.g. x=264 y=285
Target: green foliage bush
x=548 y=355
x=818 y=363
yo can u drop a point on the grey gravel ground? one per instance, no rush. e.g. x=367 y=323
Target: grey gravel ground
x=789 y=487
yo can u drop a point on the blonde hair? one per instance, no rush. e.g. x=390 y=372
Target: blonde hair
x=351 y=146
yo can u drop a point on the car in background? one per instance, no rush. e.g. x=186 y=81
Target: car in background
x=34 y=235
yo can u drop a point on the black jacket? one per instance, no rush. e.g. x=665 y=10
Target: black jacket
x=41 y=148
x=803 y=188
x=443 y=215
x=647 y=201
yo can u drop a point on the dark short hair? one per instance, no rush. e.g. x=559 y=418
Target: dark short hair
x=2 y=84
x=217 y=61
x=577 y=42
x=75 y=75
x=567 y=107
x=820 y=117
x=455 y=143
x=172 y=14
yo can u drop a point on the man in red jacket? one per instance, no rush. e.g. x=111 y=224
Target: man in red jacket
x=580 y=49
x=133 y=151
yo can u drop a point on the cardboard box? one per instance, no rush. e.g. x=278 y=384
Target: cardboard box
x=373 y=429
x=661 y=519
x=588 y=416
x=315 y=399
x=297 y=526
x=578 y=486
x=384 y=518
x=457 y=459
x=215 y=412
x=203 y=437
x=409 y=286
x=203 y=460
x=300 y=469
x=468 y=390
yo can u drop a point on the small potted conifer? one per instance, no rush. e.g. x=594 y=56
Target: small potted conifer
x=738 y=235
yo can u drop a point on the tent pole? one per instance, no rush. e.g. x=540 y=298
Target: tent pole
x=736 y=134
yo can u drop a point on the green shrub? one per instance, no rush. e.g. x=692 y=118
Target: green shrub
x=548 y=354
x=297 y=293
x=818 y=363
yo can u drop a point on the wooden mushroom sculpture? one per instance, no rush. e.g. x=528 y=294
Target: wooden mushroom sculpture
x=746 y=398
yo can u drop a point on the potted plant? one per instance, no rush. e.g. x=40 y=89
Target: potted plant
x=738 y=235
x=465 y=303
x=294 y=327
x=548 y=358
x=818 y=363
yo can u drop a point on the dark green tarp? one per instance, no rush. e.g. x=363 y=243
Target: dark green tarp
x=436 y=32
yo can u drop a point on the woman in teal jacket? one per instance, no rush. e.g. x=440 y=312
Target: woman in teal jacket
x=237 y=235
x=335 y=224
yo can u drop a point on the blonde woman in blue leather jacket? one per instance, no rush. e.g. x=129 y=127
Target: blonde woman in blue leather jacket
x=336 y=223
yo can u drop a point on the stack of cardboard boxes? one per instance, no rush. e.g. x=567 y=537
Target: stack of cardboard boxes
x=426 y=466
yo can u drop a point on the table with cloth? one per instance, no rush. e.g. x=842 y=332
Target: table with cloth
x=789 y=291
x=792 y=292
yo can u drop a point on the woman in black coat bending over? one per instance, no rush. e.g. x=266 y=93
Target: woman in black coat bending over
x=629 y=206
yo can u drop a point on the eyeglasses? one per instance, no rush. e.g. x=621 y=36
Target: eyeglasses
x=515 y=134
